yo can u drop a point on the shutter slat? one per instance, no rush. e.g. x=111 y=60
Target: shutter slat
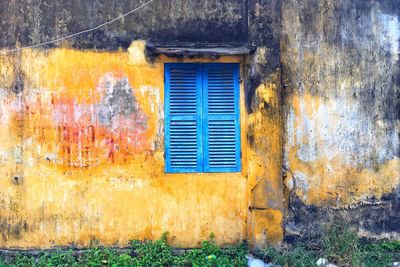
x=221 y=126
x=183 y=126
x=182 y=84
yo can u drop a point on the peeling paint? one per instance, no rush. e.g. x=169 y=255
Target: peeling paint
x=342 y=146
x=82 y=123
x=92 y=158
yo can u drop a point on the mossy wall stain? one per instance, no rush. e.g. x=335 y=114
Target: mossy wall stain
x=174 y=22
x=264 y=120
x=341 y=72
x=264 y=138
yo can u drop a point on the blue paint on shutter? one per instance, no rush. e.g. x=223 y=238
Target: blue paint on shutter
x=221 y=117
x=183 y=125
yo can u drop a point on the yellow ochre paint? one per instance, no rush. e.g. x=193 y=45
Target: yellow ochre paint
x=265 y=219
x=83 y=182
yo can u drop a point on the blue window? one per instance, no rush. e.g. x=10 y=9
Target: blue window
x=202 y=130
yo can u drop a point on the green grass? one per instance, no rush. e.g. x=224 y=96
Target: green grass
x=148 y=253
x=290 y=256
x=341 y=246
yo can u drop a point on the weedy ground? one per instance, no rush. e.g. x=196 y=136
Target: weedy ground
x=148 y=253
x=339 y=244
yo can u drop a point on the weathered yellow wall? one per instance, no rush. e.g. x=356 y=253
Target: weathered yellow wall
x=341 y=85
x=265 y=136
x=81 y=156
x=81 y=132
x=334 y=178
x=342 y=142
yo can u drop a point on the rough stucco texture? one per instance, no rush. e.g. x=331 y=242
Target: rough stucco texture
x=81 y=156
x=81 y=122
x=82 y=142
x=341 y=76
x=264 y=120
x=170 y=22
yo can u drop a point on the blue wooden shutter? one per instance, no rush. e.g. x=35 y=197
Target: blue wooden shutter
x=183 y=125
x=221 y=117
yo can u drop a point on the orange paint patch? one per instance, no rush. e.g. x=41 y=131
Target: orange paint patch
x=90 y=107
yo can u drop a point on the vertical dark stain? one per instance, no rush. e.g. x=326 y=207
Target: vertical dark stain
x=18 y=85
x=19 y=119
x=91 y=133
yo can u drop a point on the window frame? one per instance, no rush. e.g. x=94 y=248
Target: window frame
x=202 y=108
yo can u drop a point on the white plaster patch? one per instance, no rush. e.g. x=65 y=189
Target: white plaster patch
x=29 y=161
x=335 y=128
x=18 y=153
x=289 y=183
x=390 y=37
x=290 y=126
x=136 y=53
x=127 y=184
x=153 y=95
x=51 y=157
x=301 y=181
x=4 y=156
x=4 y=107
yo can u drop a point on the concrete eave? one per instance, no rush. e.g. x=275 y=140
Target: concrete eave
x=200 y=51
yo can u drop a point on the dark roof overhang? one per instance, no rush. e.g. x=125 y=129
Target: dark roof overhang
x=187 y=51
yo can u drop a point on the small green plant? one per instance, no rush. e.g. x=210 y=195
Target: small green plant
x=340 y=244
x=210 y=254
x=153 y=254
x=380 y=253
x=21 y=261
x=295 y=255
x=57 y=258
x=391 y=246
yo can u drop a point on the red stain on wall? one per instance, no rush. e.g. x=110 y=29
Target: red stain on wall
x=110 y=130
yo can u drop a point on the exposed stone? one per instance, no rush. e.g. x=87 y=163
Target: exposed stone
x=254 y=262
x=321 y=262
